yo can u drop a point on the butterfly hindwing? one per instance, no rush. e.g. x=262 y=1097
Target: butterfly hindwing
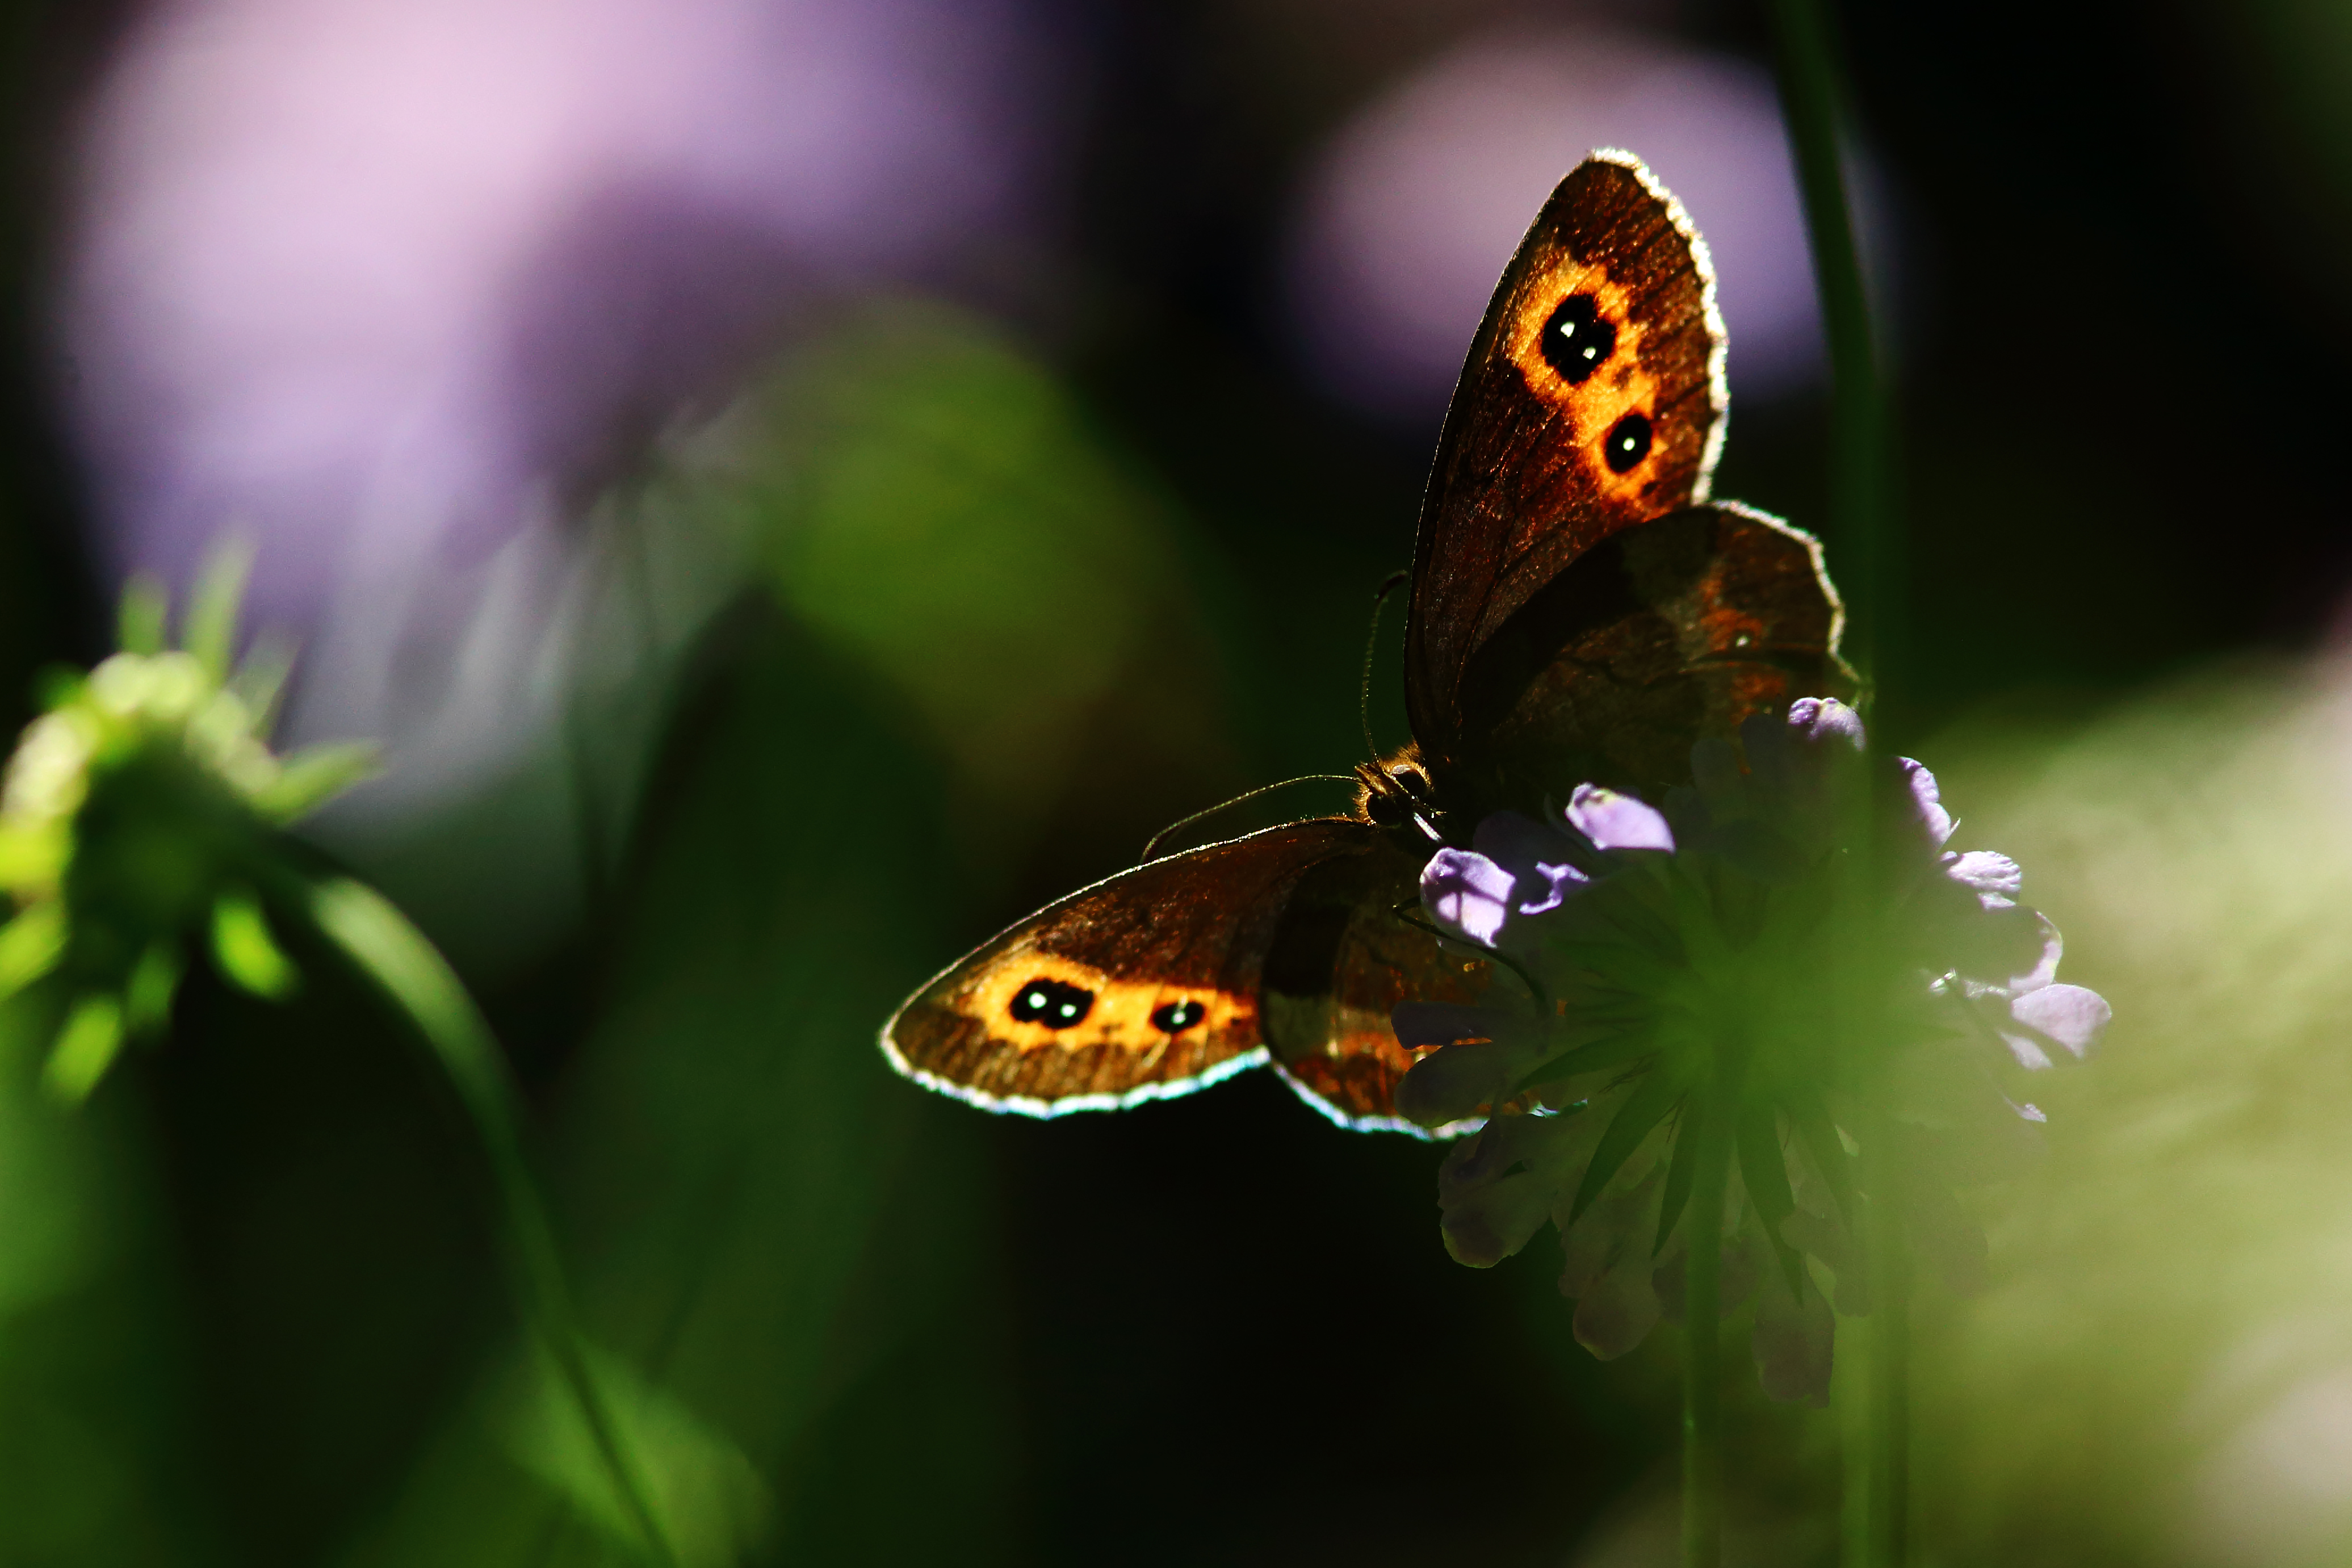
x=1593 y=399
x=1352 y=944
x=1293 y=942
x=1665 y=632
x=1139 y=987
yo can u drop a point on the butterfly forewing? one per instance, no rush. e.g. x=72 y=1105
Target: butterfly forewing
x=1593 y=399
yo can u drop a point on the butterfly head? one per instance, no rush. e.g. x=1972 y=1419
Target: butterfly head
x=1396 y=792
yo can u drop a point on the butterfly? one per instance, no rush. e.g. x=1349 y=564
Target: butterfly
x=1579 y=611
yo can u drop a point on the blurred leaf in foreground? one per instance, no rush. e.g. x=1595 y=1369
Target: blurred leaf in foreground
x=95 y=1396
x=933 y=502
x=2162 y=1370
x=760 y=1233
x=985 y=611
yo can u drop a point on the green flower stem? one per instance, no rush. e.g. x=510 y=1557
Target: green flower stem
x=1861 y=432
x=378 y=938
x=1812 y=96
x=1886 y=1419
x=1703 y=1351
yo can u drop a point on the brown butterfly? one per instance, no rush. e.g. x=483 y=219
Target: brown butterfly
x=1578 y=613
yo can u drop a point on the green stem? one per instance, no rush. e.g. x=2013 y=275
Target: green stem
x=1860 y=439
x=379 y=939
x=1703 y=1350
x=1886 y=1415
x=1860 y=433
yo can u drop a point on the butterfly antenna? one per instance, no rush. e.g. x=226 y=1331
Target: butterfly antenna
x=1371 y=647
x=1152 y=847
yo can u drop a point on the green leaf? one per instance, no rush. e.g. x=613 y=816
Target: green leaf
x=139 y=623
x=259 y=681
x=314 y=775
x=244 y=950
x=147 y=1000
x=58 y=686
x=86 y=1048
x=707 y=1496
x=1810 y=1118
x=1589 y=1058
x=1765 y=1169
x=30 y=946
x=1648 y=1105
x=1695 y=1128
x=1695 y=922
x=31 y=857
x=210 y=630
x=389 y=950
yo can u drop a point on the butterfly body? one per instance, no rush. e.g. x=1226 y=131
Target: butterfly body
x=1396 y=793
x=1579 y=612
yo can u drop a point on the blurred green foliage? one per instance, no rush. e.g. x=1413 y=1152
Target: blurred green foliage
x=2159 y=1372
x=95 y=1396
x=931 y=501
x=783 y=1251
x=755 y=1227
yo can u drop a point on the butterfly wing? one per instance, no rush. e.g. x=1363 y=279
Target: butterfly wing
x=1351 y=944
x=1593 y=399
x=1183 y=972
x=1576 y=615
x=1662 y=633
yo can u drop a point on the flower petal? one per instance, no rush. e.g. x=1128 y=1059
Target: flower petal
x=2073 y=1017
x=2041 y=954
x=1819 y=720
x=1620 y=1312
x=1927 y=802
x=1496 y=1221
x=1735 y=1277
x=1794 y=1342
x=1467 y=894
x=1994 y=878
x=1823 y=1237
x=1615 y=821
x=1539 y=857
x=1451 y=1084
x=1552 y=1145
x=2013 y=948
x=2027 y=1050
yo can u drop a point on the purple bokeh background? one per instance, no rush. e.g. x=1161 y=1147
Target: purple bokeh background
x=391 y=287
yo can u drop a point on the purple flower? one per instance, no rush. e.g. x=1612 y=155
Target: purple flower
x=1468 y=893
x=1787 y=959
x=1518 y=869
x=1614 y=821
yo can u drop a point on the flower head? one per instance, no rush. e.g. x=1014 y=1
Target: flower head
x=1788 y=961
x=140 y=806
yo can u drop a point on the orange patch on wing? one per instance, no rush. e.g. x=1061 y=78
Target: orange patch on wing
x=1118 y=1013
x=1728 y=629
x=1617 y=386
